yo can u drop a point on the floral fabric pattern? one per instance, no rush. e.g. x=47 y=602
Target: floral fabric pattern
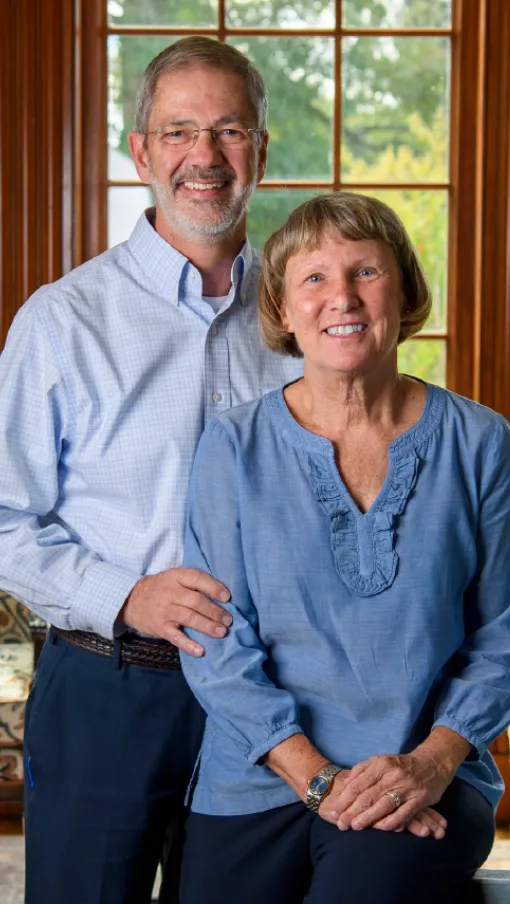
x=14 y=620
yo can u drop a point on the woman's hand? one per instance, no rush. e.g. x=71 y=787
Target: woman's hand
x=360 y=798
x=426 y=822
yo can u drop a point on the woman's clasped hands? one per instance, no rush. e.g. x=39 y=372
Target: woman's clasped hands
x=391 y=793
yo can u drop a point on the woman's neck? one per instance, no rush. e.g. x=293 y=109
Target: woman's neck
x=328 y=405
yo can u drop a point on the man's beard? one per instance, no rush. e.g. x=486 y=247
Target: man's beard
x=225 y=213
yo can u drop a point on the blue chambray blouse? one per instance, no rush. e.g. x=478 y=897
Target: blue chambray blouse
x=361 y=630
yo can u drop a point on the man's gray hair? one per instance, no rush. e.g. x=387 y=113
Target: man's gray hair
x=188 y=52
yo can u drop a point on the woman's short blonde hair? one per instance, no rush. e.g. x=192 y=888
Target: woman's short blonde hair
x=353 y=217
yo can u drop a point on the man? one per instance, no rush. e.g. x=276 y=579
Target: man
x=106 y=382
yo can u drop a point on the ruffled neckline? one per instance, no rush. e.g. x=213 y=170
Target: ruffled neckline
x=363 y=544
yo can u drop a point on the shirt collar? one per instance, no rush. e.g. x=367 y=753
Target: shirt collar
x=164 y=265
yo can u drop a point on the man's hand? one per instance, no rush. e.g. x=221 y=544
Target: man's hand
x=160 y=604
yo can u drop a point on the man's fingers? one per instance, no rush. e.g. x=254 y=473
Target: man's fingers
x=193 y=579
x=180 y=639
x=161 y=601
x=193 y=618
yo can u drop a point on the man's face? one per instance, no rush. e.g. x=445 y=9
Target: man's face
x=202 y=191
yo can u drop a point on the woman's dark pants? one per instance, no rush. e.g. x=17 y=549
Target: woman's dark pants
x=289 y=855
x=109 y=749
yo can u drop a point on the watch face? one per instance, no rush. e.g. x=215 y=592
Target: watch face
x=318 y=785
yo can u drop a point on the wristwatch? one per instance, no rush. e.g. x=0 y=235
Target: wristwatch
x=320 y=785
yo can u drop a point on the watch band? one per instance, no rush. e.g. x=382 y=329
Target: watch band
x=320 y=785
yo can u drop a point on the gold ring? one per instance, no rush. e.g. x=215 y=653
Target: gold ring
x=395 y=798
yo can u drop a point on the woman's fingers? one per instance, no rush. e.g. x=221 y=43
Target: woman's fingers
x=428 y=823
x=424 y=824
x=389 y=787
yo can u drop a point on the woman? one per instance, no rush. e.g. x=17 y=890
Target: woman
x=361 y=519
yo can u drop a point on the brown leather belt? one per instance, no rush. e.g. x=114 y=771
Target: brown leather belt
x=133 y=649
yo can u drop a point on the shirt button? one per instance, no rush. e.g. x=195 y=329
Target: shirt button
x=214 y=329
x=217 y=396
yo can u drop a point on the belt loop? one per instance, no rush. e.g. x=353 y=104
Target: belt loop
x=52 y=637
x=117 y=650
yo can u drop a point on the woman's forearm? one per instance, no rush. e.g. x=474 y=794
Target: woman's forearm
x=296 y=760
x=447 y=748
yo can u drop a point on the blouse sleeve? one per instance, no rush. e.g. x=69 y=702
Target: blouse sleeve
x=476 y=700
x=229 y=681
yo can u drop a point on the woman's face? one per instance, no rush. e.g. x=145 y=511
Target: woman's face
x=343 y=302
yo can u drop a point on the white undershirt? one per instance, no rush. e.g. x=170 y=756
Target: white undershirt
x=216 y=301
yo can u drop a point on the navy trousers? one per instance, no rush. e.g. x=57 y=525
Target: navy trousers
x=109 y=750
x=289 y=855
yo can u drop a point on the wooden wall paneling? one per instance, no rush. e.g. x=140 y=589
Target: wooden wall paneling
x=35 y=83
x=91 y=129
x=7 y=118
x=464 y=202
x=494 y=321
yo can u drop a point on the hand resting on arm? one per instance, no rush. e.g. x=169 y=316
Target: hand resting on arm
x=160 y=604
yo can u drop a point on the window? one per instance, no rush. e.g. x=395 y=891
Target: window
x=359 y=98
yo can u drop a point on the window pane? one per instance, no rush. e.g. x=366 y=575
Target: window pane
x=269 y=209
x=299 y=77
x=395 y=109
x=162 y=12
x=124 y=207
x=128 y=56
x=423 y=358
x=272 y=13
x=396 y=13
x=425 y=216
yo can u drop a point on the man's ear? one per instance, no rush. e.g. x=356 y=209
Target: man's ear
x=262 y=157
x=140 y=156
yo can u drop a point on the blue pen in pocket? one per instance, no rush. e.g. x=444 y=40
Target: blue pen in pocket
x=29 y=770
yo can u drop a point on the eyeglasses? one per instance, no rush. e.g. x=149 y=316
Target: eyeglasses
x=186 y=138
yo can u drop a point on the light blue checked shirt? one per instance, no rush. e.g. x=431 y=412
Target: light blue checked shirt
x=106 y=382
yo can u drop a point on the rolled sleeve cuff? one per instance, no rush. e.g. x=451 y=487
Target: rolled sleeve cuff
x=100 y=598
x=465 y=731
x=286 y=731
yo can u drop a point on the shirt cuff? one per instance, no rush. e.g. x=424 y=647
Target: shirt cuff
x=100 y=598
x=286 y=731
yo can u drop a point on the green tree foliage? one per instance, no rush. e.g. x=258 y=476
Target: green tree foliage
x=394 y=111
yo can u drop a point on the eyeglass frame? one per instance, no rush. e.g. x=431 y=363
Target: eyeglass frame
x=196 y=133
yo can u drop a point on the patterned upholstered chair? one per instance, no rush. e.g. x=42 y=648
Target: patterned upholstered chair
x=16 y=669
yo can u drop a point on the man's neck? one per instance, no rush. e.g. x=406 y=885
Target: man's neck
x=212 y=260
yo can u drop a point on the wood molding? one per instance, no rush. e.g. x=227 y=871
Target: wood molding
x=91 y=159
x=493 y=333
x=464 y=156
x=479 y=273
x=35 y=86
